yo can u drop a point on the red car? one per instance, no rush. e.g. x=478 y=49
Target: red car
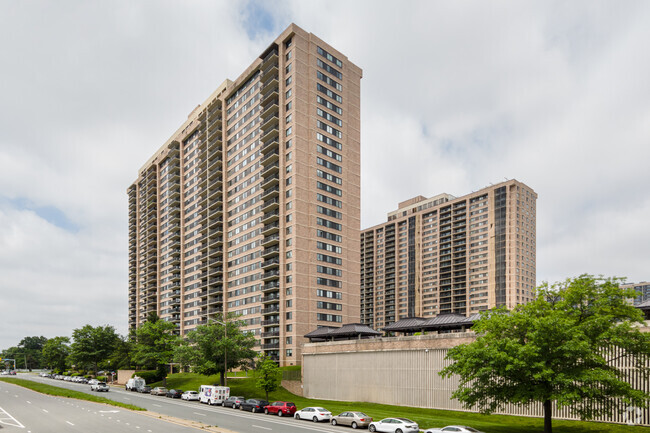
x=280 y=408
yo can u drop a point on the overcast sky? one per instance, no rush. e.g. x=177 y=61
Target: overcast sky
x=455 y=95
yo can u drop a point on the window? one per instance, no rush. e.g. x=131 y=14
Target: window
x=288 y=315
x=289 y=55
x=288 y=43
x=288 y=303
x=288 y=340
x=328 y=116
x=329 y=236
x=329 y=224
x=329 y=141
x=329 y=247
x=288 y=106
x=327 y=152
x=288 y=81
x=288 y=68
x=328 y=294
x=288 y=181
x=329 y=129
x=329 y=105
x=328 y=282
x=289 y=156
x=289 y=131
x=329 y=271
x=329 y=259
x=288 y=193
x=289 y=353
x=329 y=200
x=329 y=305
x=289 y=205
x=288 y=143
x=329 y=69
x=329 y=212
x=328 y=188
x=289 y=254
x=329 y=165
x=328 y=92
x=329 y=57
x=289 y=328
x=328 y=317
x=288 y=94
x=328 y=80
x=288 y=119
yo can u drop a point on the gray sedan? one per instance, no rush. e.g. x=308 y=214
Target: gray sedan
x=353 y=419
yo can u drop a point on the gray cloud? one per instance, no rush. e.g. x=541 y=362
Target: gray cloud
x=455 y=95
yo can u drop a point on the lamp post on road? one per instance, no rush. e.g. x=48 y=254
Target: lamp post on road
x=225 y=349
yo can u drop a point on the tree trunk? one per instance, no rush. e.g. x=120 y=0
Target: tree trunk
x=548 y=416
x=221 y=379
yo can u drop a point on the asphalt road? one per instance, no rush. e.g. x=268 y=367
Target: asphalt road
x=24 y=410
x=231 y=419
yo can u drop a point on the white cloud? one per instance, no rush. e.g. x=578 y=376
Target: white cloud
x=455 y=95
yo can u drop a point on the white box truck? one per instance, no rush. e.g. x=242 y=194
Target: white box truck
x=134 y=383
x=212 y=394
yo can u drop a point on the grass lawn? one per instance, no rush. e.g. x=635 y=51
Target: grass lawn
x=426 y=418
x=63 y=392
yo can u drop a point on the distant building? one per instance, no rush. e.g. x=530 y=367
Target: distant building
x=252 y=206
x=642 y=288
x=450 y=254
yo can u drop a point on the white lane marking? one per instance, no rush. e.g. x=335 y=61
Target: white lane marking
x=259 y=426
x=196 y=413
x=108 y=411
x=45 y=410
x=28 y=402
x=69 y=422
x=7 y=419
x=127 y=398
x=157 y=405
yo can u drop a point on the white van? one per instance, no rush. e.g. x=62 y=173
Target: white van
x=211 y=394
x=134 y=383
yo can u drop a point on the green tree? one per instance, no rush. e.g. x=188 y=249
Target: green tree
x=122 y=356
x=269 y=376
x=212 y=347
x=93 y=345
x=558 y=348
x=55 y=352
x=155 y=342
x=32 y=351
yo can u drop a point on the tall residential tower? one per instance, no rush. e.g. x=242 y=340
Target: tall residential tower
x=252 y=207
x=450 y=255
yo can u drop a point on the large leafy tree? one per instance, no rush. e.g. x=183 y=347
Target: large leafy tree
x=269 y=376
x=212 y=347
x=32 y=348
x=558 y=349
x=55 y=352
x=155 y=342
x=93 y=345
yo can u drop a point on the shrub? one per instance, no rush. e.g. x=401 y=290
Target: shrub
x=101 y=378
x=149 y=376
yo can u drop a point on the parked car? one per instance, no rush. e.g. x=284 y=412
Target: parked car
x=99 y=386
x=353 y=419
x=159 y=390
x=233 y=402
x=315 y=414
x=146 y=389
x=174 y=393
x=254 y=405
x=190 y=395
x=394 y=425
x=453 y=429
x=280 y=408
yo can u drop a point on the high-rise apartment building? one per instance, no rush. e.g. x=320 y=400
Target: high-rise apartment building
x=450 y=255
x=643 y=289
x=252 y=207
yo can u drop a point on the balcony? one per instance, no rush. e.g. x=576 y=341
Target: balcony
x=275 y=285
x=266 y=252
x=269 y=205
x=269 y=229
x=271 y=275
x=271 y=309
x=271 y=240
x=271 y=216
x=274 y=262
x=270 y=346
x=272 y=297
